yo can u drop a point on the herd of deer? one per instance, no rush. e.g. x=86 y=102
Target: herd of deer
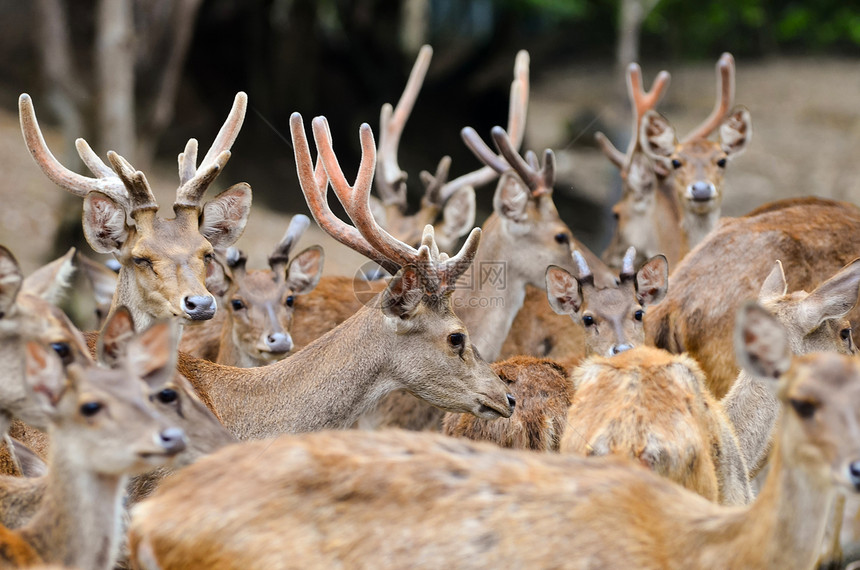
x=122 y=447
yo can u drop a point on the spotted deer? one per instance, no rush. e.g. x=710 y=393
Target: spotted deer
x=163 y=261
x=257 y=327
x=813 y=238
x=611 y=316
x=102 y=430
x=409 y=337
x=672 y=191
x=339 y=497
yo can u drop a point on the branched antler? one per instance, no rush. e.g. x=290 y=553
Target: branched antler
x=724 y=101
x=538 y=180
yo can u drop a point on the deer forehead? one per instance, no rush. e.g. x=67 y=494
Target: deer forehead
x=824 y=376
x=700 y=150
x=609 y=303
x=259 y=287
x=175 y=238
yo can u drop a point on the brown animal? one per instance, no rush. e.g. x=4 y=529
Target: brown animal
x=543 y=393
x=408 y=337
x=813 y=322
x=611 y=316
x=163 y=262
x=102 y=430
x=812 y=237
x=672 y=191
x=340 y=498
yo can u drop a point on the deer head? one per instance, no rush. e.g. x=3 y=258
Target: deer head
x=164 y=261
x=419 y=319
x=260 y=303
x=612 y=316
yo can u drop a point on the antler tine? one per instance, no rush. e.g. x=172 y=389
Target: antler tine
x=518 y=106
x=191 y=189
x=725 y=98
x=483 y=152
x=433 y=183
x=539 y=182
x=106 y=180
x=627 y=270
x=281 y=255
x=585 y=274
x=356 y=198
x=614 y=155
x=314 y=185
x=142 y=198
x=642 y=101
x=451 y=269
x=390 y=179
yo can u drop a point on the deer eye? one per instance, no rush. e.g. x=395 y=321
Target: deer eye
x=845 y=334
x=63 y=351
x=90 y=409
x=142 y=262
x=676 y=163
x=457 y=340
x=290 y=300
x=804 y=408
x=237 y=304
x=639 y=314
x=562 y=238
x=721 y=163
x=588 y=320
x=207 y=258
x=167 y=396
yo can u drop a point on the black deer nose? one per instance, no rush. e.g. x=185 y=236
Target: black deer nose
x=854 y=473
x=512 y=402
x=279 y=342
x=172 y=440
x=199 y=307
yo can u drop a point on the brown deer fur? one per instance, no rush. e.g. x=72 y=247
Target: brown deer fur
x=812 y=237
x=543 y=392
x=340 y=499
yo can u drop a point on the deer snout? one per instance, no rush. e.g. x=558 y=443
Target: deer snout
x=512 y=402
x=172 y=440
x=854 y=474
x=199 y=307
x=701 y=191
x=279 y=342
x=619 y=348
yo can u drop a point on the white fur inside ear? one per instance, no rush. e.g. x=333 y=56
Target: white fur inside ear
x=51 y=281
x=224 y=218
x=104 y=223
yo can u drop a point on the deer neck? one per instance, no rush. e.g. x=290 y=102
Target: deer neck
x=229 y=353
x=126 y=295
x=782 y=529
x=697 y=226
x=753 y=410
x=326 y=385
x=492 y=297
x=78 y=521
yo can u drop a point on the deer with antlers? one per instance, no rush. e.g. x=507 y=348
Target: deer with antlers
x=672 y=191
x=163 y=261
x=339 y=498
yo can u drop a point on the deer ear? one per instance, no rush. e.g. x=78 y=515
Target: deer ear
x=44 y=376
x=774 y=284
x=652 y=281
x=641 y=178
x=305 y=270
x=224 y=217
x=152 y=353
x=562 y=291
x=10 y=280
x=403 y=295
x=219 y=277
x=104 y=223
x=102 y=278
x=117 y=332
x=761 y=344
x=657 y=136
x=458 y=215
x=735 y=132
x=30 y=464
x=51 y=281
x=511 y=199
x=832 y=299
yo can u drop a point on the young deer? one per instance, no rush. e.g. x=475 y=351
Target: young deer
x=101 y=430
x=812 y=237
x=163 y=262
x=257 y=328
x=698 y=164
x=672 y=191
x=338 y=498
x=611 y=316
x=409 y=336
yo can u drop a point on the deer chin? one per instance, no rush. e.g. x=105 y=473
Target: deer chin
x=487 y=409
x=268 y=356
